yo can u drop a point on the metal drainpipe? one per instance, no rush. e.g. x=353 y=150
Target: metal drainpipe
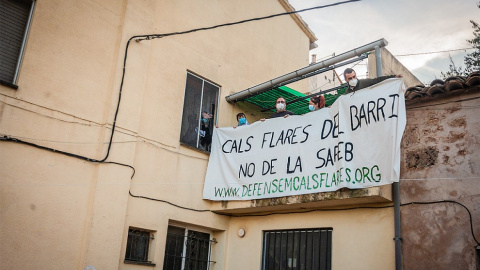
x=395 y=191
x=398 y=231
x=378 y=60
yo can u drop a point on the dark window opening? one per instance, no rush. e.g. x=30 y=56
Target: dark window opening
x=301 y=249
x=15 y=19
x=138 y=244
x=199 y=112
x=187 y=249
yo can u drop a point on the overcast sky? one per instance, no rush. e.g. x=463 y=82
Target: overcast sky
x=409 y=26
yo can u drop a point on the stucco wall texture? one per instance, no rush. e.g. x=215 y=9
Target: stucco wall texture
x=440 y=161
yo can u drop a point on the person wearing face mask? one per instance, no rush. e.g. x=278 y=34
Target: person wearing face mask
x=281 y=107
x=205 y=134
x=355 y=84
x=316 y=103
x=242 y=120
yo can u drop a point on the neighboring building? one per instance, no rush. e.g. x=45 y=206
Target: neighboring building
x=440 y=162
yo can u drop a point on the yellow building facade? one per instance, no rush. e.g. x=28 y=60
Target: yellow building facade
x=67 y=196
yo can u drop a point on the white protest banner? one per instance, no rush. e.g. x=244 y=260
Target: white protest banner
x=354 y=144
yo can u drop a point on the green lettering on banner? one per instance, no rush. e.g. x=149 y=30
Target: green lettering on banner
x=303 y=183
x=378 y=175
x=347 y=171
x=326 y=181
x=295 y=183
x=274 y=183
x=288 y=183
x=313 y=178
x=268 y=187
x=334 y=180
x=280 y=185
x=259 y=191
x=322 y=179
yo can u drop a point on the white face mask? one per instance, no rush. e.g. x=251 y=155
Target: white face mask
x=280 y=106
x=353 y=82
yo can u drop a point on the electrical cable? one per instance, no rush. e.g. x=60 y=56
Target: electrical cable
x=176 y=205
x=16 y=140
x=154 y=36
x=148 y=37
x=411 y=54
x=315 y=210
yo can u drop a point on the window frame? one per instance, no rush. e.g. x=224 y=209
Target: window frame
x=326 y=263
x=13 y=83
x=128 y=259
x=215 y=116
x=188 y=228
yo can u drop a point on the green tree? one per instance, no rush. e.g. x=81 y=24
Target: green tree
x=453 y=70
x=472 y=60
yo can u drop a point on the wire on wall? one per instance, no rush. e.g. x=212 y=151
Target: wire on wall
x=149 y=37
x=318 y=210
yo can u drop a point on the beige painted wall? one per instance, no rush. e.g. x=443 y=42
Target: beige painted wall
x=361 y=239
x=59 y=212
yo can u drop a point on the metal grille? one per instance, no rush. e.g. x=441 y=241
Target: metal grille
x=137 y=245
x=187 y=249
x=296 y=102
x=303 y=249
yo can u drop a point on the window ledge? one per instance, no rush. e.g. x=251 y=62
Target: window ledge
x=341 y=198
x=11 y=85
x=194 y=148
x=139 y=263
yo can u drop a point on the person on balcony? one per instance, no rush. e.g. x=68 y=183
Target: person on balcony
x=242 y=120
x=355 y=84
x=316 y=103
x=281 y=106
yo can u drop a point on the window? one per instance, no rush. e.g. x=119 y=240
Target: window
x=138 y=244
x=15 y=19
x=297 y=249
x=187 y=249
x=199 y=112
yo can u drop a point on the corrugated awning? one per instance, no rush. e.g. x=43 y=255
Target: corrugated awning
x=296 y=102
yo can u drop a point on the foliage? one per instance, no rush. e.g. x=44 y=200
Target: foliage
x=471 y=60
x=453 y=70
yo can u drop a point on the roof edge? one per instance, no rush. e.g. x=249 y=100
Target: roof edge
x=299 y=21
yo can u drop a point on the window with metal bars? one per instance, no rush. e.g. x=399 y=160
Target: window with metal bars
x=187 y=249
x=199 y=112
x=299 y=249
x=138 y=244
x=15 y=17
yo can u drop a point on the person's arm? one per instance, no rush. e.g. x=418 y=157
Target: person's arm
x=369 y=82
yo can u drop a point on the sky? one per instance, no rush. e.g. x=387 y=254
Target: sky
x=409 y=26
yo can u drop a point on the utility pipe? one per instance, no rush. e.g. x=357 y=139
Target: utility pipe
x=398 y=231
x=378 y=61
x=298 y=73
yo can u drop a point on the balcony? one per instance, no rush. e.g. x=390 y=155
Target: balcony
x=342 y=198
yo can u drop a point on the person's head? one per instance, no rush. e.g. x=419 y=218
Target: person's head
x=316 y=103
x=241 y=119
x=205 y=117
x=280 y=104
x=350 y=77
